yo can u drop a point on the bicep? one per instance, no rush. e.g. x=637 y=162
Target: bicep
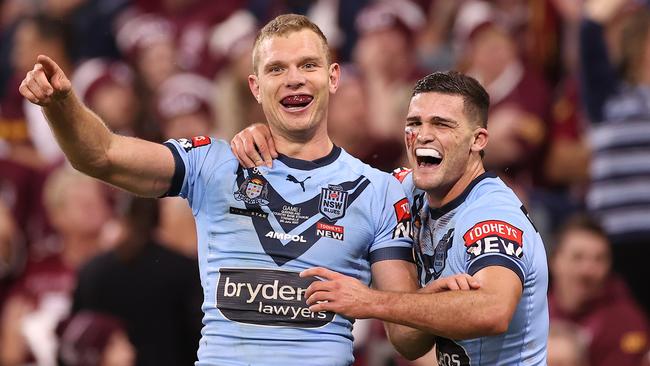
x=394 y=275
x=142 y=167
x=501 y=283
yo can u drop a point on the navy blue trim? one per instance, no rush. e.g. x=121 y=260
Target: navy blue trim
x=310 y=165
x=401 y=253
x=179 y=172
x=437 y=213
x=495 y=260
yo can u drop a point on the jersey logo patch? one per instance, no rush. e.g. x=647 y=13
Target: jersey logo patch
x=329 y=231
x=450 y=353
x=196 y=141
x=253 y=191
x=333 y=202
x=494 y=236
x=401 y=173
x=403 y=214
x=267 y=297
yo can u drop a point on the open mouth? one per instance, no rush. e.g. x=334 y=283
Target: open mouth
x=296 y=101
x=428 y=157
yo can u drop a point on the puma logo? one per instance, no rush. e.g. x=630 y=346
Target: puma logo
x=293 y=179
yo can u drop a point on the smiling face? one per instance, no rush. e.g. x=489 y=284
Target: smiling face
x=293 y=81
x=443 y=144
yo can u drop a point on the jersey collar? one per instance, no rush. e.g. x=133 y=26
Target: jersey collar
x=310 y=165
x=437 y=213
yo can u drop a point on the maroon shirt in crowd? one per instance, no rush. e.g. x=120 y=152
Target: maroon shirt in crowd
x=617 y=327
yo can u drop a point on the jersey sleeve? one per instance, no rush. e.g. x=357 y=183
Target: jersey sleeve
x=194 y=159
x=393 y=229
x=493 y=237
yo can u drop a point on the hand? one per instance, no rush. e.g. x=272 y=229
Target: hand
x=457 y=282
x=248 y=144
x=602 y=11
x=339 y=293
x=45 y=83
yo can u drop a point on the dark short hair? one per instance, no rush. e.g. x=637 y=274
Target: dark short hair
x=476 y=99
x=285 y=24
x=578 y=222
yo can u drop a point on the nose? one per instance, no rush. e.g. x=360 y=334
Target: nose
x=295 y=78
x=425 y=134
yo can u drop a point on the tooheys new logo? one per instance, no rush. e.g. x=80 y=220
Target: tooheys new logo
x=267 y=297
x=494 y=236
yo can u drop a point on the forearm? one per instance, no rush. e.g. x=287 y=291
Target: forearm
x=82 y=135
x=452 y=314
x=409 y=342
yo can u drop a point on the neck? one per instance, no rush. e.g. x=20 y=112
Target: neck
x=439 y=199
x=310 y=145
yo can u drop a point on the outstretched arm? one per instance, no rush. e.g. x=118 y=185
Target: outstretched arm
x=142 y=167
x=451 y=314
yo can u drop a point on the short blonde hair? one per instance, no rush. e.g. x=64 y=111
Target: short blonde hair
x=283 y=25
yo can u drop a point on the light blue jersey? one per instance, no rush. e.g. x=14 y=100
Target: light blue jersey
x=258 y=228
x=485 y=226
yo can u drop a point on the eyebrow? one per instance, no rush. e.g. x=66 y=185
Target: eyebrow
x=434 y=119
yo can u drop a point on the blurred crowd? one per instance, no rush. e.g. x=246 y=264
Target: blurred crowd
x=92 y=276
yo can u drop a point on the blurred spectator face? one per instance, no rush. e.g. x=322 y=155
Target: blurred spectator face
x=29 y=43
x=186 y=125
x=7 y=239
x=119 y=351
x=183 y=104
x=177 y=229
x=116 y=105
x=490 y=50
x=157 y=62
x=581 y=264
x=387 y=51
x=347 y=113
x=76 y=204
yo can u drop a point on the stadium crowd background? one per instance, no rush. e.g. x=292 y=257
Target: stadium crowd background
x=89 y=274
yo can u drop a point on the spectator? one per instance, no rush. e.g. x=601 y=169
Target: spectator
x=40 y=298
x=95 y=339
x=10 y=250
x=386 y=55
x=617 y=106
x=519 y=97
x=566 y=345
x=107 y=88
x=23 y=125
x=235 y=106
x=586 y=293
x=153 y=290
x=183 y=104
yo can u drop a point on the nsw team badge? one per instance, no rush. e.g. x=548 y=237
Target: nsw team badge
x=253 y=191
x=333 y=202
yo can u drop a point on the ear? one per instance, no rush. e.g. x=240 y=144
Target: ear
x=335 y=77
x=480 y=139
x=254 y=86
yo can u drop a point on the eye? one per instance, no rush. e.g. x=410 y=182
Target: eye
x=309 y=65
x=413 y=123
x=275 y=69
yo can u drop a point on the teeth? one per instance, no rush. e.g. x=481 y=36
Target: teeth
x=428 y=152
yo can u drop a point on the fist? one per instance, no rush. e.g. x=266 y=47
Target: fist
x=45 y=83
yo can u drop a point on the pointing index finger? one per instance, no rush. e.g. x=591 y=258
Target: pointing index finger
x=320 y=272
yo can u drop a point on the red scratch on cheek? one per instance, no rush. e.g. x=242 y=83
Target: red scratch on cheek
x=411 y=135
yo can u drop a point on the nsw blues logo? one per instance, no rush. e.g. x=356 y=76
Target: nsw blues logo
x=253 y=191
x=333 y=202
